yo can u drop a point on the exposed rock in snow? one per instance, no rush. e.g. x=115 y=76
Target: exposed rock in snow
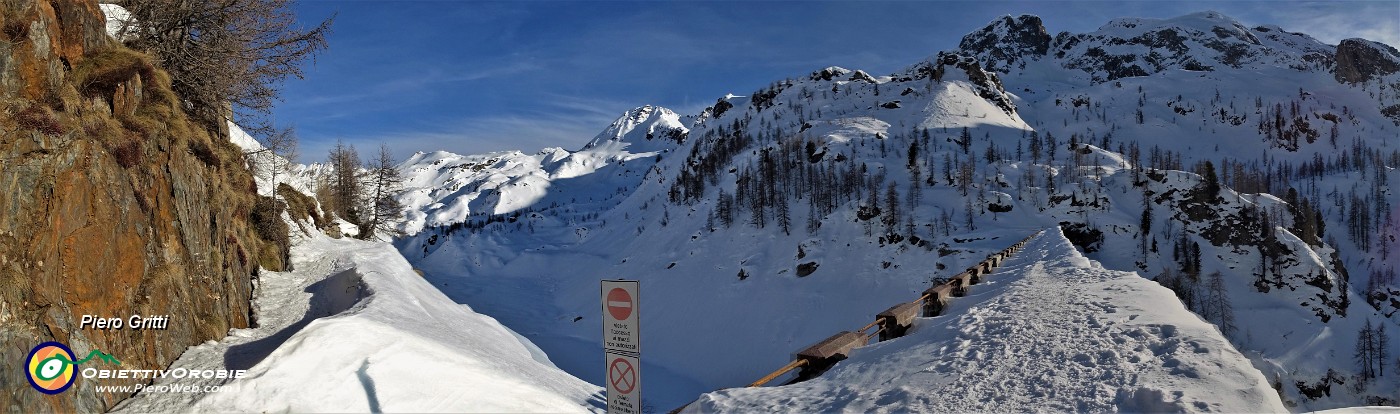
x=1360 y=60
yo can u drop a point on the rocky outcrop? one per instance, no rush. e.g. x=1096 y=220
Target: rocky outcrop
x=988 y=85
x=831 y=72
x=959 y=64
x=861 y=76
x=1360 y=60
x=112 y=203
x=1007 y=42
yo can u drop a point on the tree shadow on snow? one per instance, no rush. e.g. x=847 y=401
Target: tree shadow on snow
x=371 y=394
x=333 y=295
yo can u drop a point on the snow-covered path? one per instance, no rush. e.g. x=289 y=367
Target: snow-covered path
x=355 y=329
x=1049 y=331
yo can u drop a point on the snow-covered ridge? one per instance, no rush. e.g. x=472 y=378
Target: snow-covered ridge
x=1049 y=330
x=1128 y=47
x=443 y=188
x=1198 y=41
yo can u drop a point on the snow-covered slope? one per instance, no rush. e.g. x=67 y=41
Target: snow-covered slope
x=271 y=170
x=1049 y=331
x=355 y=329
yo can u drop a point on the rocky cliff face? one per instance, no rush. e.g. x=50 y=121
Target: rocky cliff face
x=1360 y=60
x=1008 y=41
x=112 y=204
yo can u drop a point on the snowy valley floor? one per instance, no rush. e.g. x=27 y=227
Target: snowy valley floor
x=354 y=329
x=1049 y=331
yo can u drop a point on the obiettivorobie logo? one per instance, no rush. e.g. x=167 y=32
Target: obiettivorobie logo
x=52 y=369
x=51 y=366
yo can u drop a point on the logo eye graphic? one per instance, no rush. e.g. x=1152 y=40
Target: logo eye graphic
x=50 y=368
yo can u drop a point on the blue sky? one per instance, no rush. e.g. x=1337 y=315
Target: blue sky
x=473 y=76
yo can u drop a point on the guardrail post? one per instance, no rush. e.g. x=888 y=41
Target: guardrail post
x=960 y=284
x=895 y=321
x=936 y=298
x=828 y=352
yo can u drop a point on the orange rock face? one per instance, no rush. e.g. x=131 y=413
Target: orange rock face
x=101 y=217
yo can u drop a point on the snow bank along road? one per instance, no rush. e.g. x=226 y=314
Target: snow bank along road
x=354 y=329
x=1052 y=331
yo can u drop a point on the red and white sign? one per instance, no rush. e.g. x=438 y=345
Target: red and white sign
x=621 y=346
x=619 y=303
x=619 y=298
x=622 y=375
x=624 y=384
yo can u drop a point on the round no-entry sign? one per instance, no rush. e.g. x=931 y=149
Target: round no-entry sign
x=619 y=304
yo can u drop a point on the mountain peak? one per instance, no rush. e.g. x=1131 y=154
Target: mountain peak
x=1210 y=16
x=643 y=129
x=1007 y=41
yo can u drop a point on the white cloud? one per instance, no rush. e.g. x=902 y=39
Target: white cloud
x=1332 y=22
x=569 y=123
x=410 y=86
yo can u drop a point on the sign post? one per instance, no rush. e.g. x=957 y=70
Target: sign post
x=621 y=346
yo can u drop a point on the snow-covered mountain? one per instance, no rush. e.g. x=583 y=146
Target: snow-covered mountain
x=1133 y=47
x=645 y=129
x=442 y=188
x=1176 y=148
